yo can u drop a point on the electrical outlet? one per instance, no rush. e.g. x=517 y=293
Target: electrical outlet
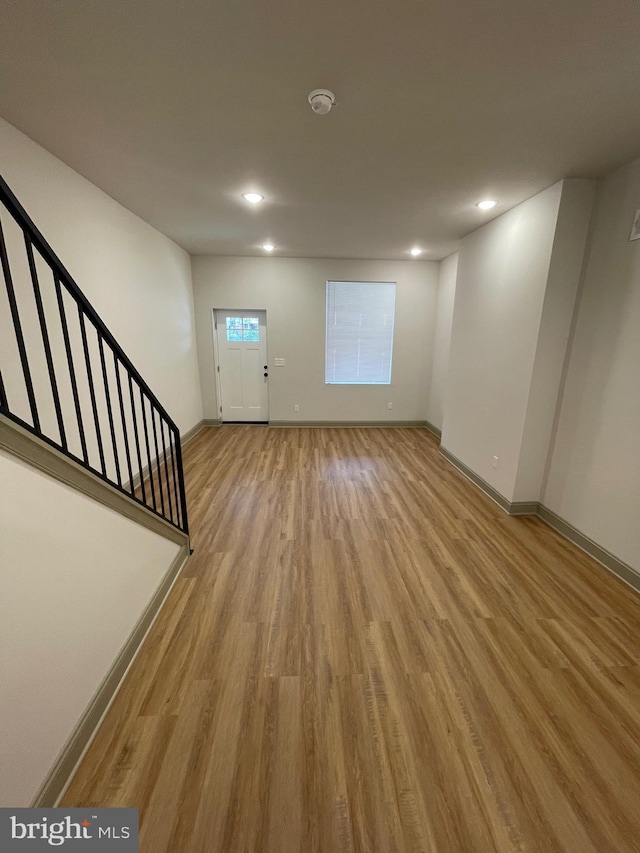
x=389 y=405
x=494 y=461
x=296 y=408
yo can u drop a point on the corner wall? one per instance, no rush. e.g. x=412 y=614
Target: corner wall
x=502 y=276
x=594 y=474
x=293 y=292
x=516 y=283
x=447 y=276
x=565 y=268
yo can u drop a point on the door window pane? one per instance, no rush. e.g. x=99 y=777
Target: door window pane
x=251 y=329
x=234 y=328
x=243 y=329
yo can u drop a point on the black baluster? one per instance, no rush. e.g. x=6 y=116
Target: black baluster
x=124 y=422
x=45 y=339
x=183 y=497
x=175 y=479
x=135 y=434
x=92 y=390
x=146 y=440
x=4 y=403
x=166 y=469
x=155 y=442
x=15 y=316
x=72 y=372
x=107 y=395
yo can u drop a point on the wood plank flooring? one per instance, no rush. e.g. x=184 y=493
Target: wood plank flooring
x=365 y=654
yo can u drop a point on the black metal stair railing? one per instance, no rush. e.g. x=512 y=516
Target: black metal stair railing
x=65 y=378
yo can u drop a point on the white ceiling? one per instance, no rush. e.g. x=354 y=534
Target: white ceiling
x=174 y=107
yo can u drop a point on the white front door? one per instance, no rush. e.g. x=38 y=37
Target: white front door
x=242 y=365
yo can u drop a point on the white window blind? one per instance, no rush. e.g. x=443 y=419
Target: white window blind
x=359 y=343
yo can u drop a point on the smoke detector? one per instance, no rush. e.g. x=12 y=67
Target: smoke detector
x=321 y=101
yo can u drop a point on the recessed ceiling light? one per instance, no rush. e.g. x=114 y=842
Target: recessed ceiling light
x=416 y=251
x=253 y=198
x=268 y=247
x=486 y=205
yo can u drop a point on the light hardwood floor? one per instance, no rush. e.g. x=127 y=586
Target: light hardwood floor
x=365 y=654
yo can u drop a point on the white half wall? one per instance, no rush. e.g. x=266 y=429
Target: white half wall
x=75 y=578
x=292 y=291
x=442 y=339
x=137 y=279
x=594 y=475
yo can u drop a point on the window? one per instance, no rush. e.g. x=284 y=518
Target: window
x=359 y=342
x=243 y=329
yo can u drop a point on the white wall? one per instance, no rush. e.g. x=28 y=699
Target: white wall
x=138 y=280
x=442 y=338
x=75 y=578
x=502 y=277
x=517 y=277
x=565 y=268
x=293 y=293
x=594 y=476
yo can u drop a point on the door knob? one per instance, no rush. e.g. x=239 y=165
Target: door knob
x=266 y=374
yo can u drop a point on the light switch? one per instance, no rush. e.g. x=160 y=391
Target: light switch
x=279 y=362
